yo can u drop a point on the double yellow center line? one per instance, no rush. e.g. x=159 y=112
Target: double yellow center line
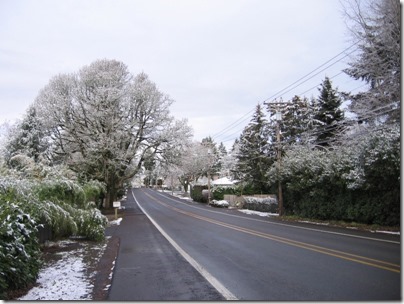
x=331 y=252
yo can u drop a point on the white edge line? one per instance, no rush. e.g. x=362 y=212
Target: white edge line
x=210 y=278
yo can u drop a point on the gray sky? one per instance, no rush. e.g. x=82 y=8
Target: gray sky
x=216 y=58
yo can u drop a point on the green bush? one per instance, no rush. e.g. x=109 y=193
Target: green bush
x=245 y=189
x=61 y=205
x=196 y=194
x=91 y=224
x=57 y=216
x=218 y=192
x=19 y=249
x=93 y=191
x=61 y=190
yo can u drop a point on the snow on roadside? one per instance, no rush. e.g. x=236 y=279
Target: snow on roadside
x=220 y=203
x=387 y=232
x=264 y=214
x=64 y=280
x=115 y=222
x=67 y=277
x=315 y=223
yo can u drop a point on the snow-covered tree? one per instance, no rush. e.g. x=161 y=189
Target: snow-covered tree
x=358 y=181
x=225 y=161
x=253 y=160
x=377 y=26
x=328 y=114
x=211 y=145
x=196 y=160
x=296 y=120
x=105 y=122
x=231 y=160
x=26 y=140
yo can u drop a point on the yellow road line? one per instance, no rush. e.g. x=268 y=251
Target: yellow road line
x=331 y=252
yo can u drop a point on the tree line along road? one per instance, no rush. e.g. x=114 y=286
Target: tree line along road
x=250 y=258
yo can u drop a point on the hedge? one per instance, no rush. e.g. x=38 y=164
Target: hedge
x=25 y=206
x=266 y=204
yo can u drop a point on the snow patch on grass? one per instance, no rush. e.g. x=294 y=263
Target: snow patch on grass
x=64 y=280
x=70 y=275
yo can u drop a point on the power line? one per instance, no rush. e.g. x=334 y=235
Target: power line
x=296 y=83
x=236 y=123
x=343 y=123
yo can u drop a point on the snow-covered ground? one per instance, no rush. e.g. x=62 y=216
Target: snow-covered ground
x=387 y=232
x=64 y=280
x=68 y=277
x=115 y=222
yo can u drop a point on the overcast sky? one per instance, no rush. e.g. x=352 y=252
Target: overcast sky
x=216 y=58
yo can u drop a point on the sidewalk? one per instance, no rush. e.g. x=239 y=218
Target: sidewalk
x=148 y=267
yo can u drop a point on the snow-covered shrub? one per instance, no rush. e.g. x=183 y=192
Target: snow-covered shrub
x=312 y=183
x=378 y=193
x=220 y=203
x=358 y=182
x=61 y=190
x=91 y=224
x=266 y=204
x=57 y=216
x=73 y=212
x=60 y=204
x=19 y=248
x=93 y=190
x=12 y=189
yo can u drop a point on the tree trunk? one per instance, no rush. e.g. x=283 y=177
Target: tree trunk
x=112 y=192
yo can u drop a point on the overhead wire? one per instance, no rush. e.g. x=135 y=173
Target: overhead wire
x=341 y=124
x=287 y=89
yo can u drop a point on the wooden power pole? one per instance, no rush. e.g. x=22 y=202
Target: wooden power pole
x=278 y=117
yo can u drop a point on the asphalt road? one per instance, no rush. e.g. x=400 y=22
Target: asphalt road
x=252 y=258
x=148 y=267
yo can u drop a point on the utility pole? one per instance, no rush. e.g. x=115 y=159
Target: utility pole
x=209 y=153
x=278 y=117
x=172 y=184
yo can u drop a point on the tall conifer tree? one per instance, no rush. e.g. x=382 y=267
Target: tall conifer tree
x=328 y=113
x=253 y=161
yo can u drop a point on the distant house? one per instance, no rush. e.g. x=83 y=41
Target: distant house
x=223 y=182
x=201 y=181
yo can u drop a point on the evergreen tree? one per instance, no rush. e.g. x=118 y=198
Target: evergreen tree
x=233 y=158
x=297 y=119
x=378 y=63
x=253 y=160
x=328 y=113
x=222 y=154
x=28 y=139
x=213 y=152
